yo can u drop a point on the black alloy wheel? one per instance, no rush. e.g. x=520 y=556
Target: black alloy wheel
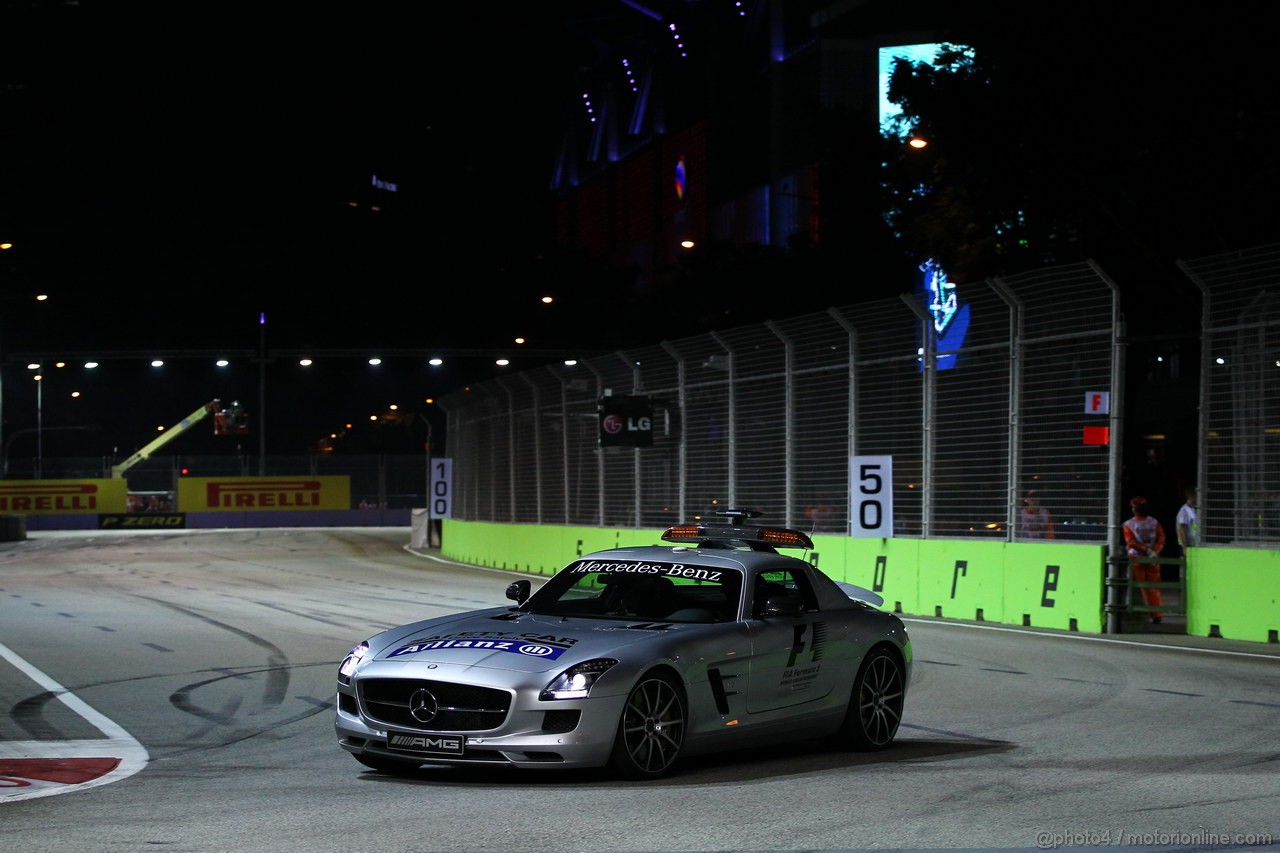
x=875 y=706
x=651 y=730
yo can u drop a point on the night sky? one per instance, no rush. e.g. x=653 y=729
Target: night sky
x=173 y=171
x=194 y=161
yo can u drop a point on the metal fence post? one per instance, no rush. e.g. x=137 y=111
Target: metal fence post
x=789 y=417
x=537 y=442
x=733 y=420
x=564 y=443
x=928 y=369
x=637 y=473
x=512 y=513
x=1012 y=514
x=682 y=447
x=1117 y=581
x=599 y=451
x=1202 y=428
x=851 y=433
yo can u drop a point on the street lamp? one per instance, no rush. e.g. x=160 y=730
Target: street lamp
x=39 y=424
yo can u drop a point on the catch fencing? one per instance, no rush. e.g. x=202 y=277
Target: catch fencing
x=1239 y=433
x=978 y=392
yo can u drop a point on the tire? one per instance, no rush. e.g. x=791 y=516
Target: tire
x=875 y=705
x=650 y=730
x=389 y=766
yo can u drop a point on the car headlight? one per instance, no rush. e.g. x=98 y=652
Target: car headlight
x=351 y=661
x=575 y=682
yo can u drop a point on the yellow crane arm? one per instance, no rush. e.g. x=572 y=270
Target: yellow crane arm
x=166 y=437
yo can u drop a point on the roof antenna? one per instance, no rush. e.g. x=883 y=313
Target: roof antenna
x=738 y=516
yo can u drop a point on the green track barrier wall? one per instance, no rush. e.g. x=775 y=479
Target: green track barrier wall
x=540 y=549
x=1234 y=594
x=1231 y=593
x=1037 y=584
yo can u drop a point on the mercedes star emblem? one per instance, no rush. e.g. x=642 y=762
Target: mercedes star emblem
x=422 y=705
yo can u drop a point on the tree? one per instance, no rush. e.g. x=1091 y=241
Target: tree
x=1109 y=134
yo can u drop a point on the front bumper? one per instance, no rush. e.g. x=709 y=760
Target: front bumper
x=534 y=733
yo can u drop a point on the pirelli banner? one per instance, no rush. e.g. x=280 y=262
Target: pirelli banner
x=256 y=494
x=63 y=497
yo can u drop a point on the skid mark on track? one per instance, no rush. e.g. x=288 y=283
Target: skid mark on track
x=277 y=673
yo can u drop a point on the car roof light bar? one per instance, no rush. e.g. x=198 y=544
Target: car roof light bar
x=714 y=535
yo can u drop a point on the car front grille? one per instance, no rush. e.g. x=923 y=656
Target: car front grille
x=458 y=707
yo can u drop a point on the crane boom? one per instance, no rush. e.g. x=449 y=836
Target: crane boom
x=229 y=421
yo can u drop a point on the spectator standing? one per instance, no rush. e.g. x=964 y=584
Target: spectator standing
x=1144 y=537
x=819 y=514
x=1188 y=524
x=1035 y=522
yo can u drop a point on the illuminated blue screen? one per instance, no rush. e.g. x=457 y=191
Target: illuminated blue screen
x=926 y=53
x=950 y=316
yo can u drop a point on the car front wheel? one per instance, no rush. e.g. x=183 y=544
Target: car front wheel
x=875 y=706
x=651 y=729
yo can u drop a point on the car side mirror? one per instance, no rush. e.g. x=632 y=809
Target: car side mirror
x=784 y=605
x=518 y=591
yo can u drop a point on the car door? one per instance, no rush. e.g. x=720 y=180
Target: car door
x=787 y=652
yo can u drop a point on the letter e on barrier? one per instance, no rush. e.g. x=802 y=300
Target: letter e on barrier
x=1050 y=585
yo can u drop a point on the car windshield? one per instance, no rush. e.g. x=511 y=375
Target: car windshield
x=654 y=591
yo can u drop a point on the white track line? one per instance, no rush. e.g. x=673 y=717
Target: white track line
x=118 y=744
x=1090 y=638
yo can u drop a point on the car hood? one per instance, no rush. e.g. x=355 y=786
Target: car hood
x=504 y=639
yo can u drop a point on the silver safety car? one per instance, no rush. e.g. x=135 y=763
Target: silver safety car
x=634 y=658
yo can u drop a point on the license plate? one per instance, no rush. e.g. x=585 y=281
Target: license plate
x=426 y=744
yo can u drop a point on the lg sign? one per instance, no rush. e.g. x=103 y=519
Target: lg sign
x=626 y=421
x=614 y=424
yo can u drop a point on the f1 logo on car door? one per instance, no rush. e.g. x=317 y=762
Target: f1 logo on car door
x=787 y=665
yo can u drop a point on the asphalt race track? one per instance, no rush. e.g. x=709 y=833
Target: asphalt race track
x=173 y=691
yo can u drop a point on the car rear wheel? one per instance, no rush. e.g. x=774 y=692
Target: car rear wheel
x=390 y=766
x=651 y=730
x=875 y=705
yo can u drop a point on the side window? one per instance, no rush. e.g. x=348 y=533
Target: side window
x=773 y=582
